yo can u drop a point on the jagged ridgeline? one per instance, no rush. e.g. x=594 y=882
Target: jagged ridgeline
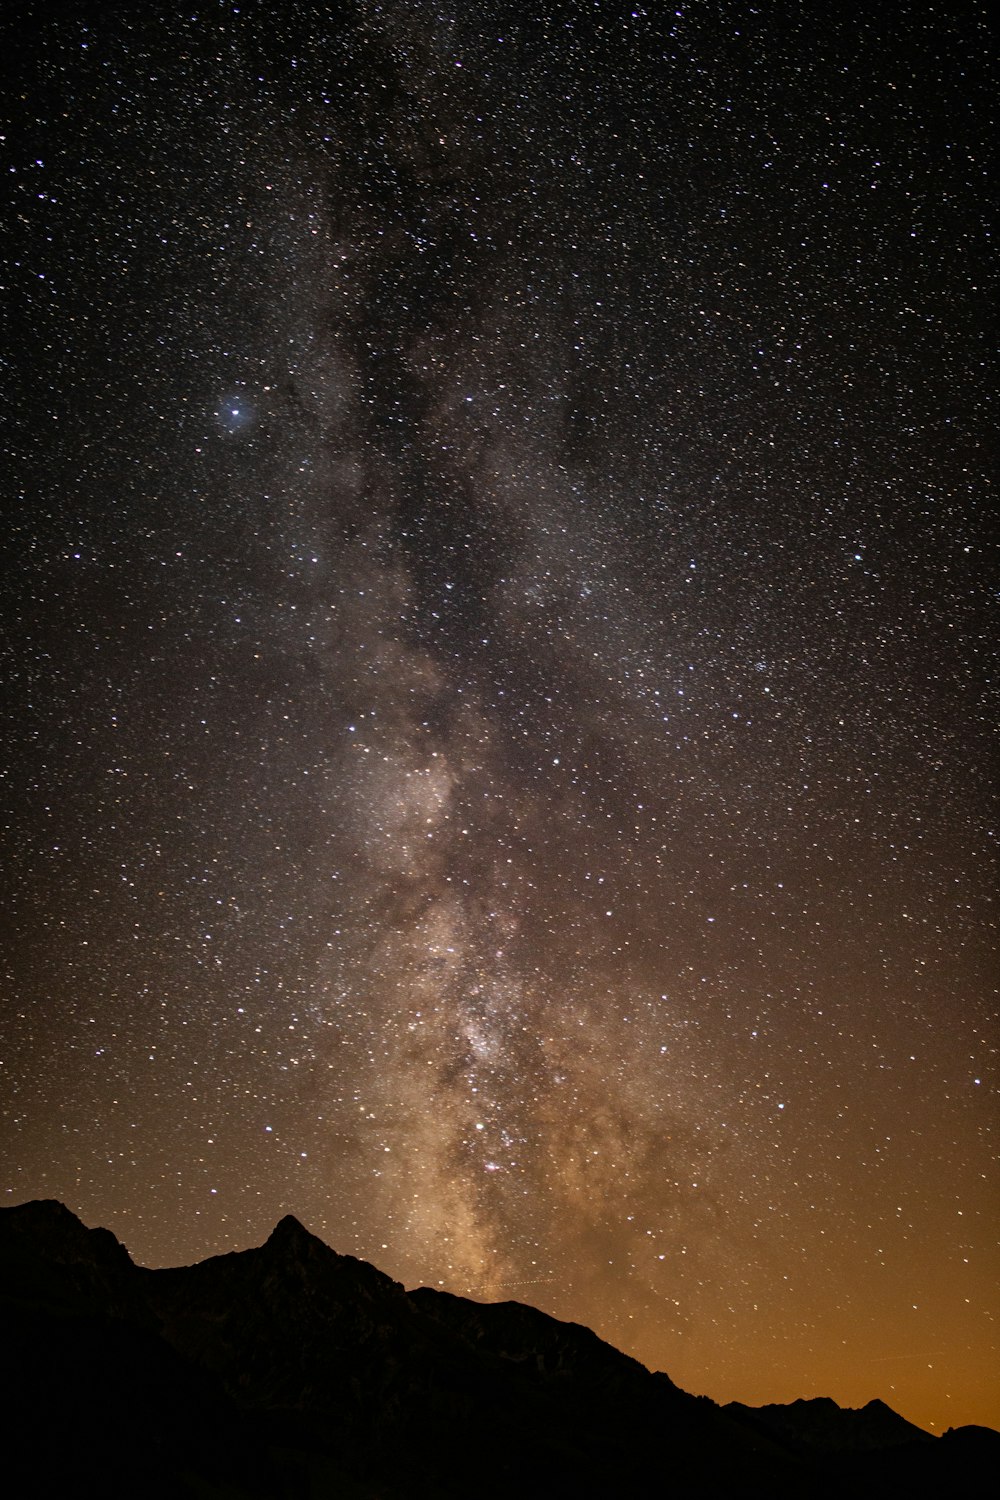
x=291 y=1371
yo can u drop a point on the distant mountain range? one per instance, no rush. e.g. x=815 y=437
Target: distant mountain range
x=292 y=1372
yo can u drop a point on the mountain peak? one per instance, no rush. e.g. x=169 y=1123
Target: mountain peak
x=42 y=1212
x=289 y=1225
x=47 y=1222
x=289 y=1232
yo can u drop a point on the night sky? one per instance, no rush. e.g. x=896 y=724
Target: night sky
x=499 y=618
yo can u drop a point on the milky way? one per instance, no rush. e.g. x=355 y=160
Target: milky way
x=499 y=620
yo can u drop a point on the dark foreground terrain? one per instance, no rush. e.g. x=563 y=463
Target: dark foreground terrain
x=291 y=1371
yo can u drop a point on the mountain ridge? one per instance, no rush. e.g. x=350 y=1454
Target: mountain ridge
x=289 y=1369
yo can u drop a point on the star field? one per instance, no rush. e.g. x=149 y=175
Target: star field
x=500 y=639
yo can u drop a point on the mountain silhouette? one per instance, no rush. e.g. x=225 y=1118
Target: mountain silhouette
x=291 y=1371
x=821 y=1426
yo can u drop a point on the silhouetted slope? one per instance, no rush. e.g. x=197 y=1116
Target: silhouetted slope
x=289 y=1370
x=427 y=1389
x=639 y=1429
